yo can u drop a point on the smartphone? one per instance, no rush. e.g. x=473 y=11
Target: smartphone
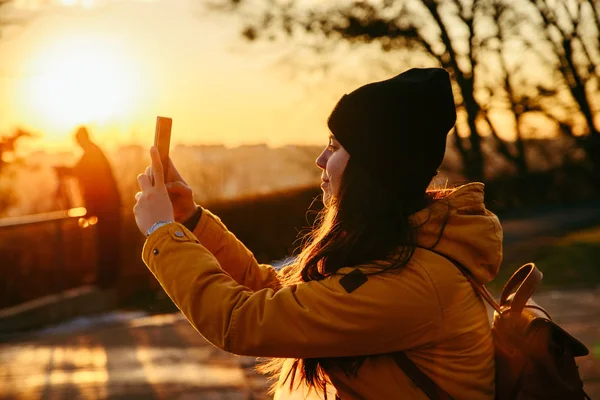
x=162 y=141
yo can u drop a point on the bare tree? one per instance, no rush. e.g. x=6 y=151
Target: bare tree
x=570 y=28
x=450 y=33
x=5 y=19
x=511 y=88
x=8 y=144
x=556 y=41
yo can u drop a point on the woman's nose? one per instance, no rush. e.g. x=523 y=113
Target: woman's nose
x=322 y=159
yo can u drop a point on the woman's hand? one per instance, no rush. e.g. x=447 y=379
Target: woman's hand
x=182 y=197
x=152 y=203
x=180 y=193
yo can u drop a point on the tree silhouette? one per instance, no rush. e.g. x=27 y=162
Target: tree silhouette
x=4 y=19
x=475 y=41
x=571 y=29
x=444 y=31
x=8 y=145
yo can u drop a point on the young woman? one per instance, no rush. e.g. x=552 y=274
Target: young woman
x=375 y=276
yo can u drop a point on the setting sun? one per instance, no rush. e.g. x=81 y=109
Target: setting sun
x=80 y=80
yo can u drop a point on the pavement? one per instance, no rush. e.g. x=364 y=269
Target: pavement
x=132 y=357
x=528 y=230
x=543 y=222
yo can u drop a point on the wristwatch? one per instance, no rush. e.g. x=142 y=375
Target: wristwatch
x=157 y=225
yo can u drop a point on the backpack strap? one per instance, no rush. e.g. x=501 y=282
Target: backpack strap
x=479 y=287
x=427 y=385
x=523 y=284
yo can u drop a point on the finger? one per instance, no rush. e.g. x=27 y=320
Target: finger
x=137 y=196
x=144 y=182
x=177 y=187
x=148 y=173
x=172 y=173
x=157 y=168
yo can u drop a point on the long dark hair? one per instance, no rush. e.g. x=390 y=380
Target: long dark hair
x=364 y=224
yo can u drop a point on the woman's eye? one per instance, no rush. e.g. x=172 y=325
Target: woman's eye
x=331 y=148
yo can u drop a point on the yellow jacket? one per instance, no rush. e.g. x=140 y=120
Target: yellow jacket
x=427 y=309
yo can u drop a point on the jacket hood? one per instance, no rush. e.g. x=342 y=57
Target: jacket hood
x=470 y=234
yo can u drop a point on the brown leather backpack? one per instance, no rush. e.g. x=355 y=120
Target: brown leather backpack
x=535 y=358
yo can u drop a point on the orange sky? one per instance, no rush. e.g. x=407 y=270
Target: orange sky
x=117 y=64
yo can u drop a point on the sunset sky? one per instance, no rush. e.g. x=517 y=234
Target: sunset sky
x=116 y=65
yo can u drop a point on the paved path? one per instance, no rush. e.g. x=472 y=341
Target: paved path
x=520 y=227
x=525 y=233
x=156 y=357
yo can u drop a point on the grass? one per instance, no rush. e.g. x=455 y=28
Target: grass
x=572 y=261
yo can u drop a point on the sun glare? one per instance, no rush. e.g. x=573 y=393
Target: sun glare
x=81 y=80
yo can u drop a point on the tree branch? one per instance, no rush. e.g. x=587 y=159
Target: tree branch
x=500 y=144
x=596 y=15
x=460 y=145
x=432 y=7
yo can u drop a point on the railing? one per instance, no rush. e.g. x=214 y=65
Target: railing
x=47 y=253
x=44 y=253
x=12 y=222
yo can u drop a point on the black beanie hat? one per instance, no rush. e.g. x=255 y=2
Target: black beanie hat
x=396 y=129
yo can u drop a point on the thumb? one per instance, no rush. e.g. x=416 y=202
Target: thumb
x=177 y=187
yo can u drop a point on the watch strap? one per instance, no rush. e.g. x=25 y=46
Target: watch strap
x=156 y=226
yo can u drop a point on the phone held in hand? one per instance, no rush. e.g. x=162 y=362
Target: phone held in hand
x=162 y=141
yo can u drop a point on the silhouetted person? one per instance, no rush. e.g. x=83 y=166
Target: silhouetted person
x=101 y=196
